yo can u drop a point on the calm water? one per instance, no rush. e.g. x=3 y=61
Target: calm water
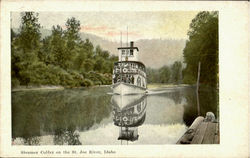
x=91 y=116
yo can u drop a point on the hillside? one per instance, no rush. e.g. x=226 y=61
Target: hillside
x=153 y=52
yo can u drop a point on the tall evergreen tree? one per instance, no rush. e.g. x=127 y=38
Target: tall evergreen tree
x=72 y=40
x=202 y=46
x=26 y=47
x=58 y=48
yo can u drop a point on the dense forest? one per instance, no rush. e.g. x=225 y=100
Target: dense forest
x=202 y=46
x=166 y=74
x=63 y=58
x=59 y=59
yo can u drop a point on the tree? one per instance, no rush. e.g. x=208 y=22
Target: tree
x=59 y=54
x=176 y=70
x=72 y=31
x=14 y=60
x=164 y=74
x=89 y=48
x=84 y=60
x=29 y=37
x=62 y=58
x=72 y=39
x=99 y=64
x=25 y=47
x=98 y=51
x=202 y=46
x=44 y=54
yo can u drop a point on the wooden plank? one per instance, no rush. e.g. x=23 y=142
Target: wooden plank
x=217 y=134
x=199 y=134
x=209 y=134
x=189 y=134
x=187 y=137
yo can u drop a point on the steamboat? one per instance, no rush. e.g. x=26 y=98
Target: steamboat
x=129 y=74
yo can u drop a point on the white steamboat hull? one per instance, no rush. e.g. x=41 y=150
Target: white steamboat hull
x=123 y=101
x=126 y=89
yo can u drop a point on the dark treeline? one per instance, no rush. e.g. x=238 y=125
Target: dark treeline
x=62 y=58
x=166 y=74
x=202 y=46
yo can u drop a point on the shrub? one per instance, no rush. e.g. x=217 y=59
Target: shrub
x=15 y=82
x=87 y=82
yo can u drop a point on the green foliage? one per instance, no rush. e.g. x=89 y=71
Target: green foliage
x=202 y=46
x=25 y=47
x=72 y=31
x=30 y=32
x=15 y=82
x=87 y=83
x=166 y=74
x=61 y=58
x=72 y=39
x=84 y=60
x=176 y=70
x=57 y=48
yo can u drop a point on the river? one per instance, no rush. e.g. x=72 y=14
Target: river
x=92 y=116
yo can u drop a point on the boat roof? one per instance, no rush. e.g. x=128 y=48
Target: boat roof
x=129 y=48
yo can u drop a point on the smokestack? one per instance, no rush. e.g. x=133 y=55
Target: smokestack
x=131 y=44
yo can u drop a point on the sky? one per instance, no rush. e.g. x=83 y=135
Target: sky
x=109 y=25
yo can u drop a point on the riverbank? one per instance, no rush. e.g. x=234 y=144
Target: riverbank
x=29 y=88
x=46 y=87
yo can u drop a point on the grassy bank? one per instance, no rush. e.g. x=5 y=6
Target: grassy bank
x=28 y=88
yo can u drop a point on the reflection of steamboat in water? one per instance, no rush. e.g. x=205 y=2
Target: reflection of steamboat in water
x=129 y=112
x=129 y=74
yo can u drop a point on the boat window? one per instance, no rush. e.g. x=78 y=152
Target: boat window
x=139 y=81
x=123 y=52
x=131 y=52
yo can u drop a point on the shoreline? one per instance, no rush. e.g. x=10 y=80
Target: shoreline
x=45 y=87
x=29 y=88
x=35 y=88
x=153 y=86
